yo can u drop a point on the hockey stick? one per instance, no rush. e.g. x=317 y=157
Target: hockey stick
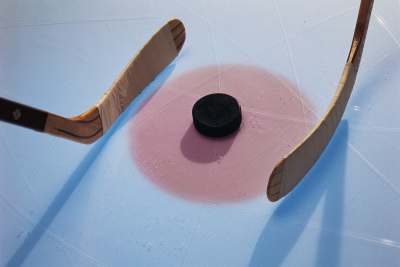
x=86 y=128
x=291 y=169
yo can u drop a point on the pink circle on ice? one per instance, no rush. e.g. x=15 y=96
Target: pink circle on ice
x=175 y=157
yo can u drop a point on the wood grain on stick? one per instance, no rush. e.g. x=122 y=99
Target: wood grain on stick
x=291 y=169
x=162 y=48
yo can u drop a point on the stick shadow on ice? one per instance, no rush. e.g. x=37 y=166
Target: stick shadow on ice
x=325 y=182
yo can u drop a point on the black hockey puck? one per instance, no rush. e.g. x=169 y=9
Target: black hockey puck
x=217 y=115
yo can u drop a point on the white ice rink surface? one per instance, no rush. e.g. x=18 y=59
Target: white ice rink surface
x=67 y=204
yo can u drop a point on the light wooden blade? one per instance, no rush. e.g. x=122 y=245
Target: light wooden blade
x=161 y=49
x=291 y=169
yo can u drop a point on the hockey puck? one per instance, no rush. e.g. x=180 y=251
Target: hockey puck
x=217 y=115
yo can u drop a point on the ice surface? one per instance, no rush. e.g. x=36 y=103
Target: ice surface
x=67 y=204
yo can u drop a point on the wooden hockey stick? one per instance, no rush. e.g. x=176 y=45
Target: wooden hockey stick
x=86 y=128
x=291 y=169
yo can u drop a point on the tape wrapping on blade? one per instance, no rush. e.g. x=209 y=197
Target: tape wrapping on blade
x=109 y=108
x=152 y=58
